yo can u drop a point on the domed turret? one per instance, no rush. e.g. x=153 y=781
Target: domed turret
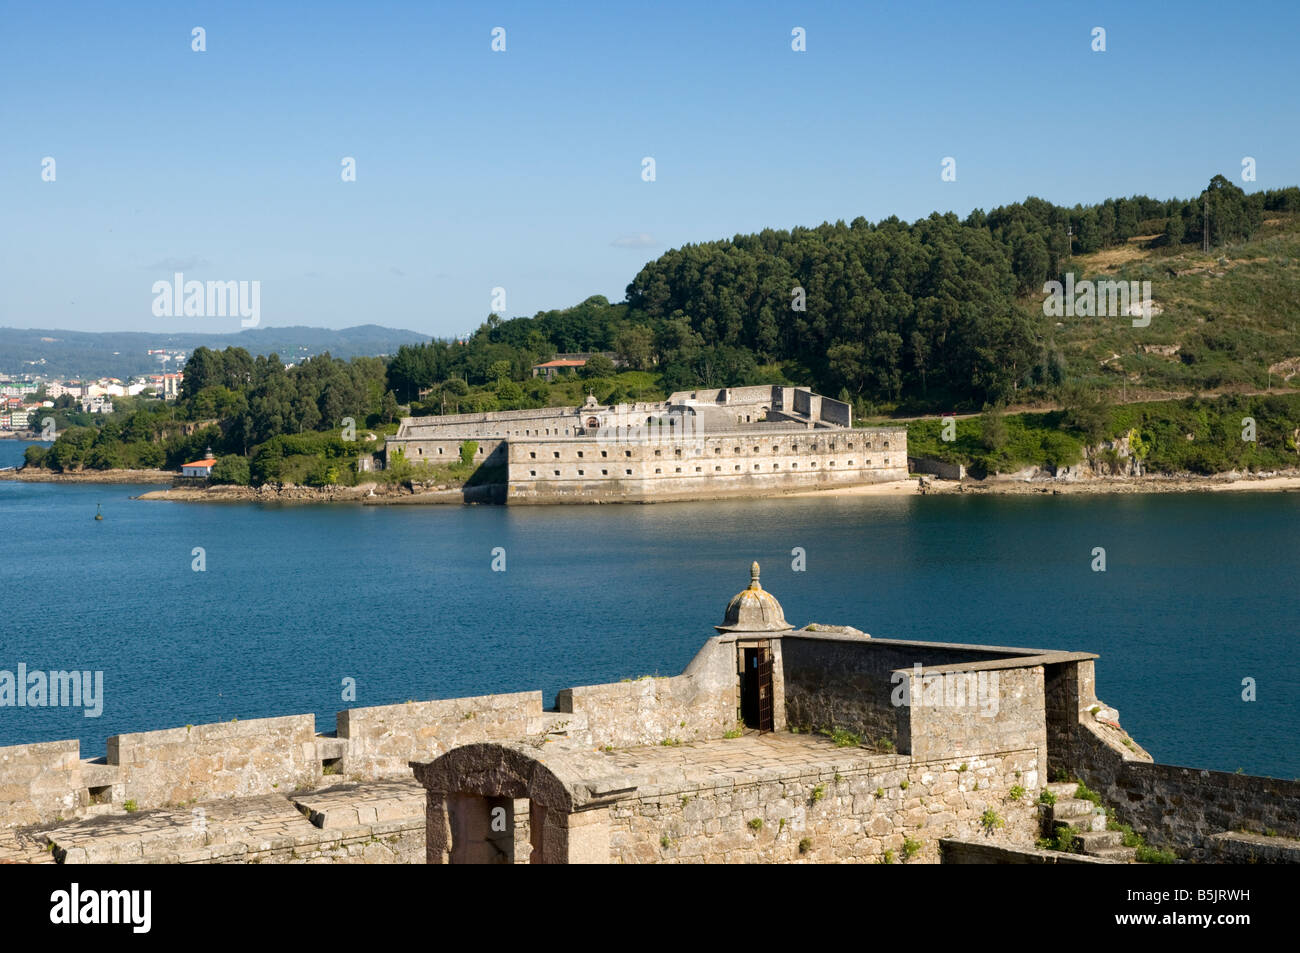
x=754 y=610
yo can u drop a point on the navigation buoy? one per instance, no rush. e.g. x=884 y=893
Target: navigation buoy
x=98 y=514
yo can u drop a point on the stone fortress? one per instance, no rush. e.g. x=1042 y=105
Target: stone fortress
x=701 y=444
x=775 y=745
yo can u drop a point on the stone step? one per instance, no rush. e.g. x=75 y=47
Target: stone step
x=1123 y=854
x=1072 y=807
x=1063 y=788
x=1082 y=822
x=1091 y=841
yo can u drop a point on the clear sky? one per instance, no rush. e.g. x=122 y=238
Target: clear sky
x=523 y=169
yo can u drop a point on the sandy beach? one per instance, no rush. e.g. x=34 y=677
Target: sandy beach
x=1149 y=484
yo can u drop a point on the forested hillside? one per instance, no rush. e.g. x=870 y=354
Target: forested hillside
x=939 y=316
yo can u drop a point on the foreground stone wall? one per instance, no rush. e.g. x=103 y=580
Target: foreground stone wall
x=379 y=742
x=1003 y=708
x=697 y=705
x=1183 y=808
x=228 y=759
x=1171 y=806
x=853 y=814
x=42 y=782
x=845 y=682
x=39 y=782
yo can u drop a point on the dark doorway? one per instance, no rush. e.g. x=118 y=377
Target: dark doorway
x=756 y=688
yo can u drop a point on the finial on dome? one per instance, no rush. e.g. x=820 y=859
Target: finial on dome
x=753 y=610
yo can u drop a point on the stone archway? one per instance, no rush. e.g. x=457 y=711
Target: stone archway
x=498 y=804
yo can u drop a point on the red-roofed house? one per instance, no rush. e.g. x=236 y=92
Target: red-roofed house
x=551 y=368
x=199 y=468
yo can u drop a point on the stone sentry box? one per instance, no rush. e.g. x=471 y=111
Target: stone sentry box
x=756 y=620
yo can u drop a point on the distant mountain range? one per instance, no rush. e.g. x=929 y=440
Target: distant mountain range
x=121 y=354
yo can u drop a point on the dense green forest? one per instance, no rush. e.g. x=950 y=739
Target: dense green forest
x=940 y=315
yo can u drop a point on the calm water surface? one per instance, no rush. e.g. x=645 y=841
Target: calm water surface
x=1200 y=592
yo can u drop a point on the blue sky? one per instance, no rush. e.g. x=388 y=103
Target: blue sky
x=522 y=169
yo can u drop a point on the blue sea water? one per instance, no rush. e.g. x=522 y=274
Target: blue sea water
x=1199 y=593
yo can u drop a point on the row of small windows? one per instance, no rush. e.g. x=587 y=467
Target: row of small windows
x=658 y=453
x=419 y=451
x=604 y=453
x=718 y=469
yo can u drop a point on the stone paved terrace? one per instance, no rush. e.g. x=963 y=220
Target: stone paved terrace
x=374 y=822
x=750 y=759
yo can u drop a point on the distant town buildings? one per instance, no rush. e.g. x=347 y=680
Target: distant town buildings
x=99 y=404
x=19 y=406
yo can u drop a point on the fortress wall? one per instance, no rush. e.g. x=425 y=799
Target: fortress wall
x=39 y=782
x=381 y=740
x=492 y=417
x=697 y=705
x=549 y=426
x=1180 y=807
x=862 y=810
x=944 y=471
x=736 y=463
x=836 y=412
x=1171 y=806
x=491 y=452
x=752 y=394
x=650 y=710
x=1002 y=708
x=227 y=759
x=841 y=684
x=849 y=683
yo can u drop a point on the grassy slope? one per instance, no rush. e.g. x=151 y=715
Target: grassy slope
x=1232 y=314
